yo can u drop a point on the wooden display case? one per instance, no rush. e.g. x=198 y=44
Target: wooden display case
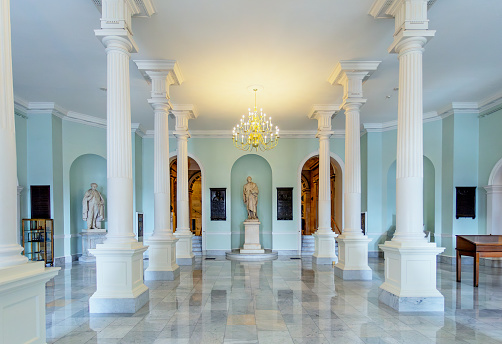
x=38 y=240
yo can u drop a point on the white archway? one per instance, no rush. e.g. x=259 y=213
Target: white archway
x=173 y=155
x=494 y=200
x=338 y=165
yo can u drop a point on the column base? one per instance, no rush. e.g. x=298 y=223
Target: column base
x=162 y=260
x=411 y=304
x=119 y=305
x=324 y=253
x=410 y=277
x=353 y=257
x=22 y=302
x=184 y=254
x=119 y=279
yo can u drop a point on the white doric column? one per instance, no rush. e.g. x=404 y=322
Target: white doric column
x=119 y=260
x=410 y=261
x=22 y=283
x=324 y=237
x=352 y=243
x=162 y=244
x=184 y=254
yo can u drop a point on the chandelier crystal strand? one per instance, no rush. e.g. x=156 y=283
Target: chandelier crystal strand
x=256 y=132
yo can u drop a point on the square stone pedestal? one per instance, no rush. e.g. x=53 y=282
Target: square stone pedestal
x=162 y=260
x=410 y=277
x=119 y=279
x=353 y=257
x=91 y=238
x=324 y=248
x=22 y=302
x=252 y=237
x=184 y=254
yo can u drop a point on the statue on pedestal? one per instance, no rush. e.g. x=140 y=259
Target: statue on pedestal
x=93 y=208
x=250 y=195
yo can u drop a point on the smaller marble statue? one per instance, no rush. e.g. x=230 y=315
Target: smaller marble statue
x=93 y=208
x=250 y=195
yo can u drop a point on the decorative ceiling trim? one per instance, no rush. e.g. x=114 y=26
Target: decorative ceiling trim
x=170 y=66
x=190 y=108
x=392 y=125
x=316 y=108
x=145 y=7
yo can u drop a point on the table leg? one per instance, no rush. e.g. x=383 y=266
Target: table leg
x=459 y=266
x=476 y=270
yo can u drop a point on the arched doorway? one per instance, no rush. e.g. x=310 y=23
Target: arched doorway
x=194 y=195
x=309 y=185
x=310 y=196
x=494 y=200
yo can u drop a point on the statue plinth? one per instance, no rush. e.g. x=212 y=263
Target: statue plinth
x=90 y=238
x=252 y=237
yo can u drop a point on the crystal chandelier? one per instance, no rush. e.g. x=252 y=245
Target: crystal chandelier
x=256 y=131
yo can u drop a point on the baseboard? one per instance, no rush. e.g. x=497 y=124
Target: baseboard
x=466 y=260
x=62 y=261
x=288 y=252
x=375 y=254
x=215 y=252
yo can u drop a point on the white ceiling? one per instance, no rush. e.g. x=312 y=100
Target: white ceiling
x=223 y=46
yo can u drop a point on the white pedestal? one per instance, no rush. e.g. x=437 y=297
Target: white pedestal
x=184 y=254
x=324 y=248
x=162 y=260
x=252 y=237
x=353 y=257
x=22 y=302
x=119 y=277
x=410 y=277
x=90 y=238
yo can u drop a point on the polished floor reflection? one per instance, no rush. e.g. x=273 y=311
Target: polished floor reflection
x=283 y=301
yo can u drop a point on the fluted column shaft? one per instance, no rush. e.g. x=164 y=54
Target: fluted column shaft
x=409 y=173
x=161 y=182
x=119 y=149
x=9 y=248
x=352 y=180
x=324 y=204
x=182 y=217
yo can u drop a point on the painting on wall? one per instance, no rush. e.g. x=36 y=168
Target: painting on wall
x=40 y=201
x=218 y=204
x=285 y=204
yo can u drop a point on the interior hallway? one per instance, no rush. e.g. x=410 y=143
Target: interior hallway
x=283 y=301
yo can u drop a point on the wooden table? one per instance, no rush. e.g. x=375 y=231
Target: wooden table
x=477 y=246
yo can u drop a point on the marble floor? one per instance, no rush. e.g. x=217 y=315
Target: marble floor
x=283 y=301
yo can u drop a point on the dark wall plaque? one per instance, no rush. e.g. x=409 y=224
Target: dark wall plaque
x=40 y=201
x=218 y=204
x=284 y=203
x=466 y=201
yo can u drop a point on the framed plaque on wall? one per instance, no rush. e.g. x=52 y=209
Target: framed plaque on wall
x=466 y=201
x=285 y=204
x=40 y=201
x=218 y=204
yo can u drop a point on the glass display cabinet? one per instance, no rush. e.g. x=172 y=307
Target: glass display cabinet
x=38 y=240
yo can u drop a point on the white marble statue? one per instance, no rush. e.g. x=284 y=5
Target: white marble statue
x=93 y=208
x=250 y=195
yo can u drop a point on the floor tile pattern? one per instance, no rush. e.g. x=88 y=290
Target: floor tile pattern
x=283 y=301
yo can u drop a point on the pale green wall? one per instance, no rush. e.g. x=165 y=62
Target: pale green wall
x=22 y=161
x=460 y=168
x=490 y=152
x=364 y=173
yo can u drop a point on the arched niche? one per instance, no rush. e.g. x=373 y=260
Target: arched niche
x=429 y=198
x=337 y=166
x=260 y=171
x=494 y=200
x=86 y=169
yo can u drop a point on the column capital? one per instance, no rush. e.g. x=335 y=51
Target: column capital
x=182 y=113
x=160 y=74
x=410 y=18
x=351 y=75
x=323 y=113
